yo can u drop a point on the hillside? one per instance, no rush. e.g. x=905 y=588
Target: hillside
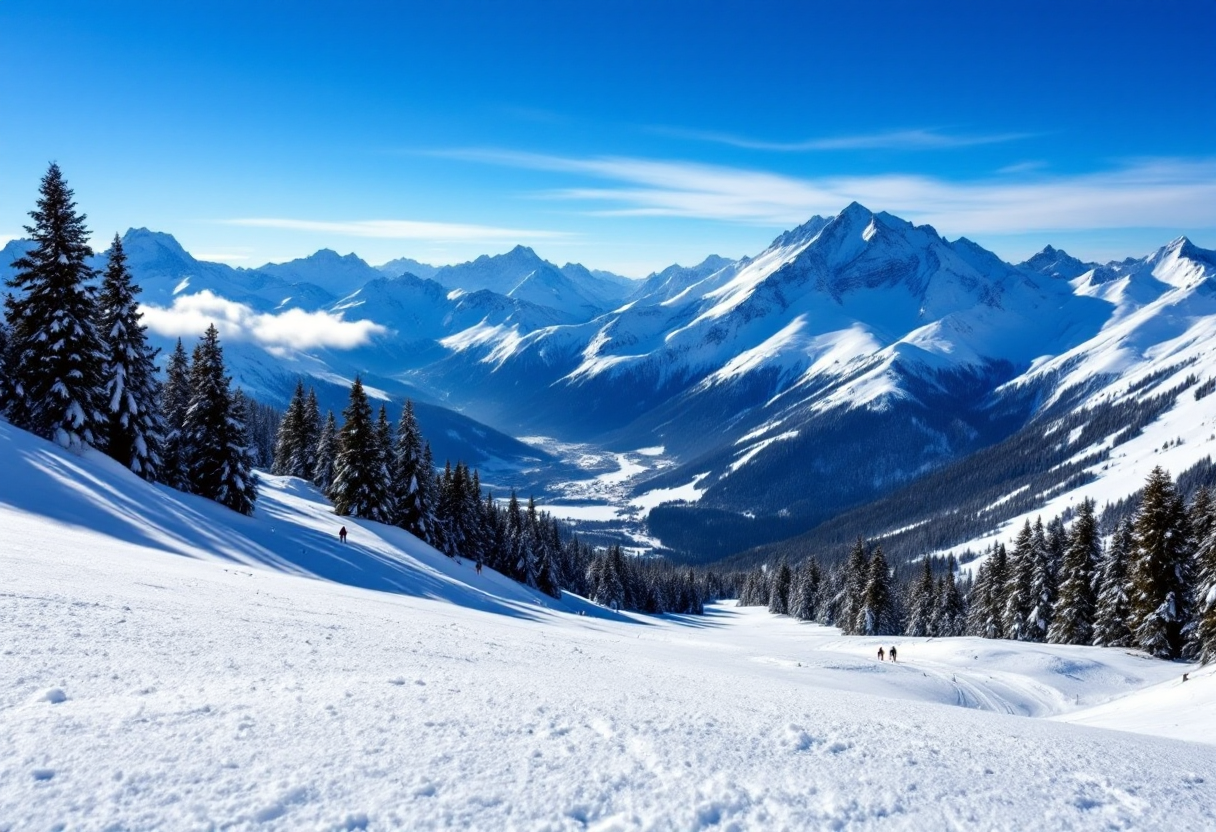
x=181 y=666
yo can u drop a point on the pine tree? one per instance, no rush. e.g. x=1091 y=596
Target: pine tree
x=238 y=483
x=205 y=426
x=175 y=402
x=428 y=495
x=950 y=616
x=806 y=592
x=922 y=603
x=291 y=451
x=1160 y=569
x=326 y=454
x=998 y=577
x=856 y=576
x=977 y=614
x=384 y=464
x=134 y=433
x=55 y=356
x=3 y=371
x=1077 y=604
x=1018 y=598
x=220 y=464
x=407 y=475
x=1111 y=619
x=359 y=488
x=1042 y=585
x=311 y=429
x=779 y=596
x=1203 y=520
x=877 y=612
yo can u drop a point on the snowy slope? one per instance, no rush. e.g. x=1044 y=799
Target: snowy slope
x=170 y=665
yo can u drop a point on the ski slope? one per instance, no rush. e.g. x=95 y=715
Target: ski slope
x=169 y=664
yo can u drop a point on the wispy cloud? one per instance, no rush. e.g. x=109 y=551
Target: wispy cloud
x=923 y=139
x=292 y=329
x=402 y=230
x=1153 y=193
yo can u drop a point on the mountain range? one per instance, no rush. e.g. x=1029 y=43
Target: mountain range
x=854 y=356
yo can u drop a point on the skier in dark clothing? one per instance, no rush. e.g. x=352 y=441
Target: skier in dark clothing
x=880 y=654
x=892 y=652
x=342 y=534
x=479 y=566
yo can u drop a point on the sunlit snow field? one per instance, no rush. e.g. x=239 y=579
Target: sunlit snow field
x=168 y=664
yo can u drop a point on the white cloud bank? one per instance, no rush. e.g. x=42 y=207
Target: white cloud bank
x=1155 y=193
x=293 y=329
x=920 y=139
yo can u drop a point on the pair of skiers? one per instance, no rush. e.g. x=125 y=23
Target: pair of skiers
x=881 y=654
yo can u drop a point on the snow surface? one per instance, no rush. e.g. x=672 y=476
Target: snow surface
x=169 y=664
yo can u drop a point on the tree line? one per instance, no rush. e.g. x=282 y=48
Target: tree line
x=76 y=367
x=1151 y=586
x=377 y=470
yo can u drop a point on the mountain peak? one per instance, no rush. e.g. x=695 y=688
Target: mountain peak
x=1056 y=263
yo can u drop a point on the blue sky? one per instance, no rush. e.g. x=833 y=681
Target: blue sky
x=623 y=135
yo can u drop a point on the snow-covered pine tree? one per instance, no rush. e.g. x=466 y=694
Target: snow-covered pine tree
x=950 y=615
x=407 y=476
x=220 y=462
x=877 y=611
x=238 y=483
x=922 y=602
x=1042 y=585
x=1075 y=608
x=428 y=484
x=174 y=403
x=359 y=487
x=527 y=565
x=205 y=426
x=55 y=354
x=135 y=430
x=290 y=446
x=3 y=371
x=326 y=454
x=384 y=464
x=446 y=532
x=779 y=595
x=1019 y=600
x=1113 y=612
x=998 y=580
x=1161 y=568
x=856 y=577
x=977 y=613
x=806 y=591
x=1203 y=635
x=312 y=434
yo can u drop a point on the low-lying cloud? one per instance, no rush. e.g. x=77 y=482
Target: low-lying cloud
x=292 y=329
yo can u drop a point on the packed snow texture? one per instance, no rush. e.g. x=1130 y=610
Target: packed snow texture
x=169 y=664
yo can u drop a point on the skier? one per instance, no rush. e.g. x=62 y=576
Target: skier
x=342 y=534
x=880 y=654
x=478 y=567
x=892 y=652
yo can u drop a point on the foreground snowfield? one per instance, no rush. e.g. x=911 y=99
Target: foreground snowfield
x=167 y=664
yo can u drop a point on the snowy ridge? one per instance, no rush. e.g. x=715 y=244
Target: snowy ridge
x=180 y=666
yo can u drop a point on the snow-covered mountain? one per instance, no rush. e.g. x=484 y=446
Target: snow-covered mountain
x=405 y=265
x=522 y=275
x=854 y=355
x=337 y=274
